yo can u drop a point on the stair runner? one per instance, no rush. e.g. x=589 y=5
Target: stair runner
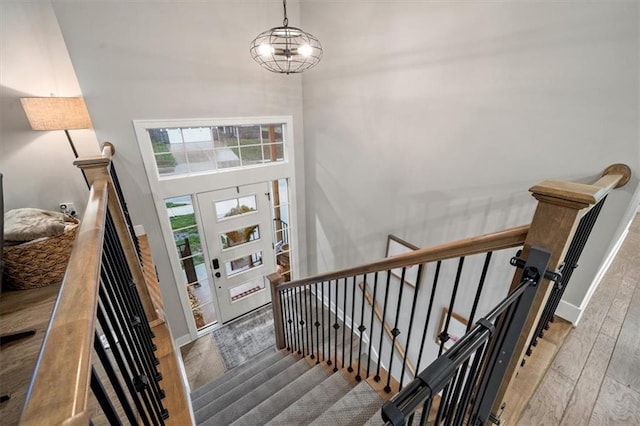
x=278 y=388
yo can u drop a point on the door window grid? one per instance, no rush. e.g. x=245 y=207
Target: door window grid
x=185 y=150
x=188 y=245
x=280 y=213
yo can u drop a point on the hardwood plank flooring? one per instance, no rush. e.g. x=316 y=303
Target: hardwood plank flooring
x=601 y=356
x=18 y=310
x=625 y=362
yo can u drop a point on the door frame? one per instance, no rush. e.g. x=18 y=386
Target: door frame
x=194 y=183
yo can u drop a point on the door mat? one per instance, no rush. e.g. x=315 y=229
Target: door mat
x=241 y=340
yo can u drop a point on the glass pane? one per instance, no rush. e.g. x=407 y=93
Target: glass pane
x=284 y=264
x=201 y=161
x=243 y=264
x=249 y=135
x=246 y=289
x=202 y=308
x=240 y=236
x=168 y=150
x=273 y=152
x=187 y=241
x=236 y=206
x=193 y=269
x=227 y=157
x=225 y=136
x=277 y=133
x=251 y=154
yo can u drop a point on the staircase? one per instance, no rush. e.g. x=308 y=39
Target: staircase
x=279 y=388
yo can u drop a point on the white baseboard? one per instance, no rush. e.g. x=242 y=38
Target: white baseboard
x=183 y=340
x=138 y=230
x=569 y=312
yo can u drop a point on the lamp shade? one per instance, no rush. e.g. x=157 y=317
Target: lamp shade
x=56 y=113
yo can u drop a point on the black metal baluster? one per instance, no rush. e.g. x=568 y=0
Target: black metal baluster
x=303 y=313
x=476 y=300
x=113 y=378
x=120 y=361
x=309 y=320
x=317 y=324
x=336 y=326
x=120 y=258
x=361 y=327
x=125 y=358
x=429 y=309
x=296 y=314
x=426 y=409
x=384 y=316
x=131 y=336
x=142 y=343
x=444 y=335
x=472 y=378
x=283 y=309
x=292 y=340
x=373 y=309
x=123 y=205
x=353 y=314
x=411 y=318
x=395 y=332
x=344 y=322
x=322 y=326
x=103 y=399
x=292 y=317
x=329 y=323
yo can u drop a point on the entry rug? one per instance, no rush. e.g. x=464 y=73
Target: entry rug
x=241 y=340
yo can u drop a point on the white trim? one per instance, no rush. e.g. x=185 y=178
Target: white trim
x=569 y=312
x=167 y=187
x=139 y=230
x=182 y=340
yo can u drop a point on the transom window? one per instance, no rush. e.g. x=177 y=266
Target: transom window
x=187 y=150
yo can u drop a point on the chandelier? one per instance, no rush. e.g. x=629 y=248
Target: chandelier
x=285 y=49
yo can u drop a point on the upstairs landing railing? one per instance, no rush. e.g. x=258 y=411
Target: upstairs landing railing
x=103 y=293
x=326 y=317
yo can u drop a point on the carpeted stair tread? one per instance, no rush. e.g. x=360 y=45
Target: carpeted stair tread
x=266 y=357
x=249 y=397
x=283 y=398
x=355 y=408
x=225 y=394
x=376 y=419
x=313 y=403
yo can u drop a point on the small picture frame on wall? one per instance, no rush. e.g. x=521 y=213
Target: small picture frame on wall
x=457 y=328
x=396 y=246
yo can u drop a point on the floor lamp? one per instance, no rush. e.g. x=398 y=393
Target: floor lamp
x=49 y=114
x=57 y=114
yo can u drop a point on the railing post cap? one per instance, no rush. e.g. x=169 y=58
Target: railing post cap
x=619 y=169
x=110 y=146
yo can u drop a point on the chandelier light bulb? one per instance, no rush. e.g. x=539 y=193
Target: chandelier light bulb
x=285 y=49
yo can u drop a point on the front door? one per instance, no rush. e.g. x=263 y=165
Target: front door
x=237 y=226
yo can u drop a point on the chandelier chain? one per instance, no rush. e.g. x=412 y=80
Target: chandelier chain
x=285 y=21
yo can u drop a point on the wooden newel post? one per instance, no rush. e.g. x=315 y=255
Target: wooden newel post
x=96 y=168
x=275 y=280
x=560 y=207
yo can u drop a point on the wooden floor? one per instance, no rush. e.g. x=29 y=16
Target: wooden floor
x=595 y=377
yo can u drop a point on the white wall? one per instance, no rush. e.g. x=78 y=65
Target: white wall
x=159 y=60
x=37 y=166
x=430 y=120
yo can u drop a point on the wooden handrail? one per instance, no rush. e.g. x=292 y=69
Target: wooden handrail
x=513 y=237
x=68 y=344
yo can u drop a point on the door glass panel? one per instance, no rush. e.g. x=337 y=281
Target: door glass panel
x=189 y=247
x=235 y=207
x=247 y=289
x=239 y=236
x=243 y=263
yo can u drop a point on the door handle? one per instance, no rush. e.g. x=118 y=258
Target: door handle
x=215 y=264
